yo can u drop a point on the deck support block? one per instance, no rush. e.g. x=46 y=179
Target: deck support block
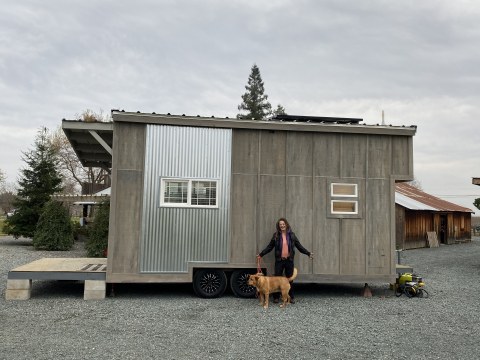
x=18 y=289
x=94 y=290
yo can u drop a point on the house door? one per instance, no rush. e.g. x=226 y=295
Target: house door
x=443 y=229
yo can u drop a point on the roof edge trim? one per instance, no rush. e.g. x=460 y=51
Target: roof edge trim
x=181 y=120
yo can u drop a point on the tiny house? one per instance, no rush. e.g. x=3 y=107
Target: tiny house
x=194 y=199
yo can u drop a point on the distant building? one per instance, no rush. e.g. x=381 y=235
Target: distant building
x=418 y=213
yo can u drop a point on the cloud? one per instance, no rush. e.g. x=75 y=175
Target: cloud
x=418 y=61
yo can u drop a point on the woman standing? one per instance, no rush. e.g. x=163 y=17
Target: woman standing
x=284 y=241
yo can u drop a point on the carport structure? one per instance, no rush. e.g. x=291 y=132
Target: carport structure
x=91 y=141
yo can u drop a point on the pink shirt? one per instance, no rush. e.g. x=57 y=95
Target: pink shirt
x=284 y=246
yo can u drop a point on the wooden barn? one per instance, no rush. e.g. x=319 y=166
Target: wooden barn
x=418 y=213
x=194 y=199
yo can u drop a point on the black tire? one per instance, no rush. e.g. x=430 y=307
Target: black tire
x=239 y=286
x=209 y=283
x=410 y=291
x=422 y=293
x=398 y=290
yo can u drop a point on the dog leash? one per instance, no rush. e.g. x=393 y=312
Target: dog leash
x=259 y=267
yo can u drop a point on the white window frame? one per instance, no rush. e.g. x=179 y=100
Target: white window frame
x=348 y=198
x=190 y=182
x=355 y=212
x=355 y=186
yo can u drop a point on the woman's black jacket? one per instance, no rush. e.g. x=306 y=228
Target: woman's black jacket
x=276 y=242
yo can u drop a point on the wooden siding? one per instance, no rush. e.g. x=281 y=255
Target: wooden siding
x=326 y=150
x=379 y=244
x=126 y=201
x=244 y=224
x=352 y=160
x=417 y=223
x=458 y=227
x=291 y=178
x=244 y=195
x=402 y=164
x=399 y=227
x=412 y=227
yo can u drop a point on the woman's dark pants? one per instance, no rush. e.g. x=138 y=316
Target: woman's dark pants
x=284 y=266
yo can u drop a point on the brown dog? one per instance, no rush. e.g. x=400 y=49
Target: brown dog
x=267 y=285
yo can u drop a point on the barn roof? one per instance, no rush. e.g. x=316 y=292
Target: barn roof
x=414 y=199
x=410 y=203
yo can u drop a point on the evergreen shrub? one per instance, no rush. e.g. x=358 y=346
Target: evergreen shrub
x=79 y=232
x=54 y=229
x=97 y=242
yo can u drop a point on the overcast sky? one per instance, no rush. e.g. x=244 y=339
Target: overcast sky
x=419 y=61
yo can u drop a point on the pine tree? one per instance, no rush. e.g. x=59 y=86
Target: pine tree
x=54 y=228
x=39 y=180
x=254 y=100
x=280 y=110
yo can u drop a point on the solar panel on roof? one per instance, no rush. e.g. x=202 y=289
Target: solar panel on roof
x=317 y=119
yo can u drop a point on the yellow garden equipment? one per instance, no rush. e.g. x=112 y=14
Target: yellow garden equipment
x=411 y=285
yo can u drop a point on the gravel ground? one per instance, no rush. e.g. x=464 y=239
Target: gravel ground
x=169 y=322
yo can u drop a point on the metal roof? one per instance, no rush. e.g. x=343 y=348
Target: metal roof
x=414 y=199
x=410 y=203
x=280 y=123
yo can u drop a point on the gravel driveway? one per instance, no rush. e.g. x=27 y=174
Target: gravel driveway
x=169 y=322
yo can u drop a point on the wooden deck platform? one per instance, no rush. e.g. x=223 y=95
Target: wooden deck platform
x=90 y=270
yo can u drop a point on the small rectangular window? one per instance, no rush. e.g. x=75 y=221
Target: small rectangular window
x=189 y=193
x=344 y=207
x=344 y=190
x=344 y=199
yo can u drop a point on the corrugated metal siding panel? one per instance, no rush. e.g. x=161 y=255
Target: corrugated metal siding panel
x=171 y=237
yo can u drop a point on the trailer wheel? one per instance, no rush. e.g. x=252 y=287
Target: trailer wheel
x=238 y=283
x=209 y=283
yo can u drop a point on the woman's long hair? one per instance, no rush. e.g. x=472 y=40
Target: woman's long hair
x=278 y=226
